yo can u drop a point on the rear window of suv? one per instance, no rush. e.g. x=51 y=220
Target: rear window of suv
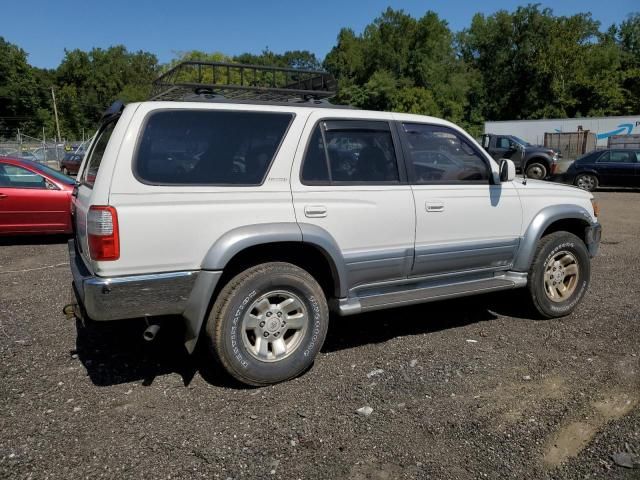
x=209 y=147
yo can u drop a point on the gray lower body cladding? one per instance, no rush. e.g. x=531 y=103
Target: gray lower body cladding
x=186 y=293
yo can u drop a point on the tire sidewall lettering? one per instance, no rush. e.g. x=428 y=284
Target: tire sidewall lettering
x=236 y=324
x=317 y=325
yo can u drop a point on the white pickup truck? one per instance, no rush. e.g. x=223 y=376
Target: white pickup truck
x=253 y=221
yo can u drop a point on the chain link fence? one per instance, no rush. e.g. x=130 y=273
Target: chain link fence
x=48 y=152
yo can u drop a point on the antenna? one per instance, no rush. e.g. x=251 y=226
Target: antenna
x=524 y=170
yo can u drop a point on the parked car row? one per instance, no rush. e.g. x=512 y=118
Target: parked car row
x=612 y=167
x=606 y=168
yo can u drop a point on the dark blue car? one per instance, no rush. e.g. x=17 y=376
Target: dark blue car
x=606 y=168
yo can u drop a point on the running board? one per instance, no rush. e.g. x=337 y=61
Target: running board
x=390 y=296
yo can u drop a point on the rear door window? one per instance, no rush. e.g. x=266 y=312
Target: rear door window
x=350 y=152
x=209 y=147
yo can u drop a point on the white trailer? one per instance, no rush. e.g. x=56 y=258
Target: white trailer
x=533 y=130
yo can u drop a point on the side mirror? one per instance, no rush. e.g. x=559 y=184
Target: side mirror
x=507 y=170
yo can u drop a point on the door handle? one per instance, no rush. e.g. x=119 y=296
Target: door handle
x=315 y=211
x=434 y=206
x=3 y=195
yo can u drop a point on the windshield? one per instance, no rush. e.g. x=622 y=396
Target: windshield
x=53 y=173
x=519 y=140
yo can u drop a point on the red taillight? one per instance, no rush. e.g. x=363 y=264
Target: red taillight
x=102 y=233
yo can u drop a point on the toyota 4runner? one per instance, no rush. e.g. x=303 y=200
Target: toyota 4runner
x=252 y=221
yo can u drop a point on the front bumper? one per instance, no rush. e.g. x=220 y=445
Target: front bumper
x=130 y=296
x=593 y=234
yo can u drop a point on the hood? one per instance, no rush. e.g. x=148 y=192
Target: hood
x=540 y=186
x=539 y=148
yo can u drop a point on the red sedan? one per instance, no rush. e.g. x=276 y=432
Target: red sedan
x=34 y=198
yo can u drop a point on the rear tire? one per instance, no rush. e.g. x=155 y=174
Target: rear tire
x=586 y=181
x=559 y=275
x=268 y=323
x=536 y=171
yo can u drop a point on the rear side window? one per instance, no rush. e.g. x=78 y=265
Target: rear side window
x=95 y=156
x=350 y=152
x=618 y=157
x=209 y=147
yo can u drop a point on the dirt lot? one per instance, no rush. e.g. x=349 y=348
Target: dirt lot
x=474 y=388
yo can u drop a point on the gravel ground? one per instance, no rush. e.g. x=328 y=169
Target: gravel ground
x=473 y=388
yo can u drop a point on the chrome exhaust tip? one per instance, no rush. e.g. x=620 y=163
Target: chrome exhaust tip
x=150 y=332
x=69 y=311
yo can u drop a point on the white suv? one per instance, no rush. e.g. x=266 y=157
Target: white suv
x=253 y=221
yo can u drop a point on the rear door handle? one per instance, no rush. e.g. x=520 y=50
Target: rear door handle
x=315 y=211
x=3 y=195
x=434 y=206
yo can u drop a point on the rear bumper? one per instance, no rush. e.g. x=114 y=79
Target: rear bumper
x=130 y=296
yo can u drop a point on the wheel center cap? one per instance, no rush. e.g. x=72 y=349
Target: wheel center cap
x=558 y=276
x=273 y=325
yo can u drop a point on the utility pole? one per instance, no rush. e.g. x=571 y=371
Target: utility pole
x=55 y=112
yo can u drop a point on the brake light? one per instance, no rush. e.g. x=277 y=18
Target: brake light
x=102 y=233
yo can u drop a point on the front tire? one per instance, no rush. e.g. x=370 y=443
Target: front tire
x=268 y=323
x=536 y=171
x=559 y=275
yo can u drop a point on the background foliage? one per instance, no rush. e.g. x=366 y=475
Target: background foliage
x=524 y=64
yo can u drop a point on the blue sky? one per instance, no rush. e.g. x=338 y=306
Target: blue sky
x=44 y=28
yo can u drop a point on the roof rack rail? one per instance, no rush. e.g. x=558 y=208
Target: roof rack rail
x=218 y=81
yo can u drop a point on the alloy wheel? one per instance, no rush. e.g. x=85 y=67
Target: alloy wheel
x=274 y=325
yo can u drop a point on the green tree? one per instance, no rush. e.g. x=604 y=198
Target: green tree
x=403 y=64
x=19 y=95
x=88 y=82
x=627 y=37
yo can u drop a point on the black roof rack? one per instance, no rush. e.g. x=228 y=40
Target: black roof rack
x=218 y=81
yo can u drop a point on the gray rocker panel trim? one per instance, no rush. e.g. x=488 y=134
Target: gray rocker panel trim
x=381 y=265
x=460 y=256
x=539 y=224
